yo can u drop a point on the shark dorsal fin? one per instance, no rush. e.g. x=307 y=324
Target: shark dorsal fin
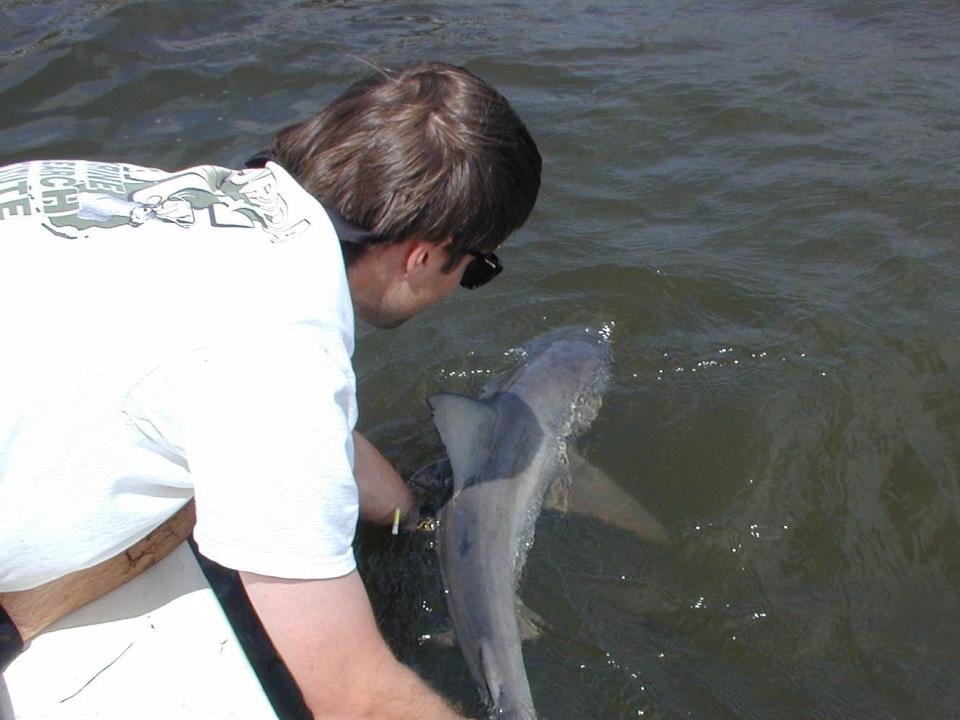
x=466 y=428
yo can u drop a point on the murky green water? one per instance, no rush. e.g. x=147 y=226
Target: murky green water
x=764 y=199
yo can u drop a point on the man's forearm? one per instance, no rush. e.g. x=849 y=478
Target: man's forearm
x=326 y=634
x=397 y=693
x=380 y=487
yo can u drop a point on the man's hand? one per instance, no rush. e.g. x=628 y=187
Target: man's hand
x=380 y=487
x=326 y=634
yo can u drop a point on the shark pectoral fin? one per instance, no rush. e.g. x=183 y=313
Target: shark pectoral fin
x=593 y=493
x=529 y=622
x=466 y=428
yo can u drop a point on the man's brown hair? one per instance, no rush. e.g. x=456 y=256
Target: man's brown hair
x=429 y=150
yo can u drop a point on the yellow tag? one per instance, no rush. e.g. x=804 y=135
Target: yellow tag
x=396 y=522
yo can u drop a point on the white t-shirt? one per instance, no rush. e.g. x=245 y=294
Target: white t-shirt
x=168 y=335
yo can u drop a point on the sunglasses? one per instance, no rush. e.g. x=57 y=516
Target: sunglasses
x=482 y=269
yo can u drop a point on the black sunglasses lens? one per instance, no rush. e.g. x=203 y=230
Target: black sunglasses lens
x=481 y=270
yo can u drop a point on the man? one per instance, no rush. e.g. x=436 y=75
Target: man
x=183 y=335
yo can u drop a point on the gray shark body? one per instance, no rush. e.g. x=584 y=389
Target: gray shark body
x=507 y=449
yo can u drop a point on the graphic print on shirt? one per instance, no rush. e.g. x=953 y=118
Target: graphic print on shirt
x=75 y=198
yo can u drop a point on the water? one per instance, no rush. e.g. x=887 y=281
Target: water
x=762 y=197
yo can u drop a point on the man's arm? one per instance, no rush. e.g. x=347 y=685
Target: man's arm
x=326 y=634
x=381 y=489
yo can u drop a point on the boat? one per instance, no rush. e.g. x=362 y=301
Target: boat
x=159 y=646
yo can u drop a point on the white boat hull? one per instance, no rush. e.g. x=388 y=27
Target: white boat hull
x=160 y=646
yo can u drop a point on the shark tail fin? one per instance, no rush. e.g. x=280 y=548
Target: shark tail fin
x=466 y=428
x=593 y=493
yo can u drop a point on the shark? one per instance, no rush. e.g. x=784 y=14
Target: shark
x=510 y=454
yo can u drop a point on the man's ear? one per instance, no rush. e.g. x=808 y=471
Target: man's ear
x=421 y=254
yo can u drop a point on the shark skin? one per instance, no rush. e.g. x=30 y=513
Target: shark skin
x=507 y=449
